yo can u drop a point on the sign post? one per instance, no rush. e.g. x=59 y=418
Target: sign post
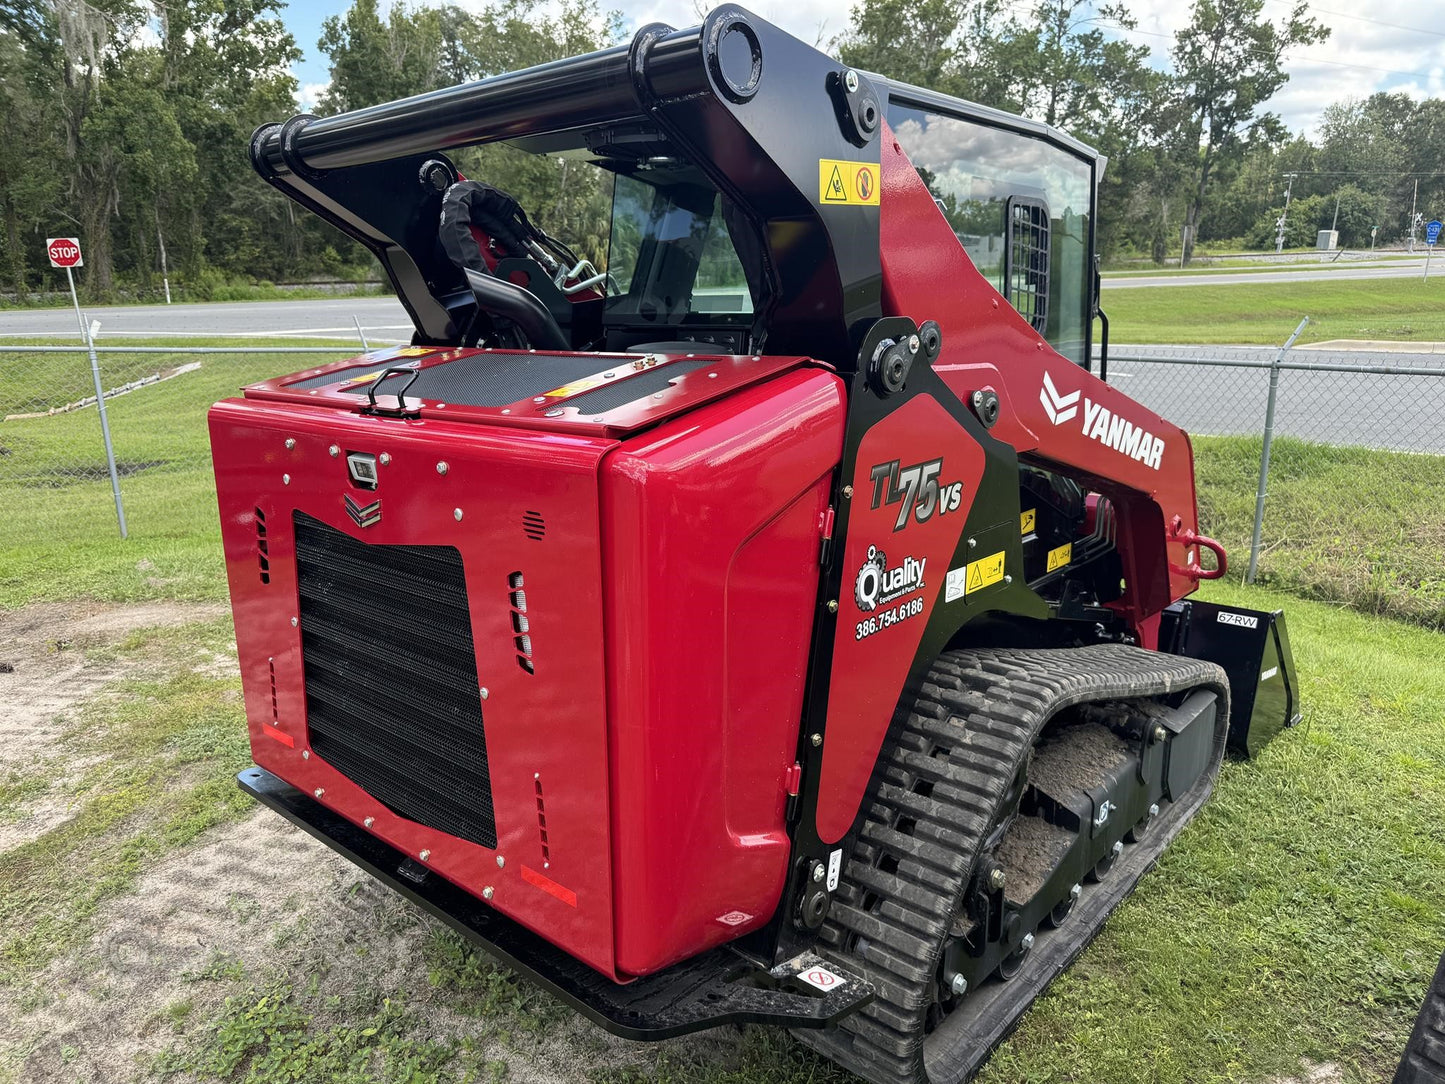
x=65 y=252
x=1432 y=234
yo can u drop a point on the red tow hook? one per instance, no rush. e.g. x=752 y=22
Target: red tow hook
x=1178 y=533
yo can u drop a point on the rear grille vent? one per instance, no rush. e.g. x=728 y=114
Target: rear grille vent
x=263 y=548
x=521 y=627
x=533 y=525
x=392 y=697
x=275 y=701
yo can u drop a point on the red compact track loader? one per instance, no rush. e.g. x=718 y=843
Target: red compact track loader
x=781 y=620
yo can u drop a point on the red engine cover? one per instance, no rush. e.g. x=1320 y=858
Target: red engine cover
x=638 y=773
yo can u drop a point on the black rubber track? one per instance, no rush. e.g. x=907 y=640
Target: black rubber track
x=1424 y=1060
x=988 y=707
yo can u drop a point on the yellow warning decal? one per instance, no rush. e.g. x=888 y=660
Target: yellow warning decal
x=1026 y=520
x=586 y=383
x=413 y=351
x=984 y=572
x=853 y=183
x=1058 y=558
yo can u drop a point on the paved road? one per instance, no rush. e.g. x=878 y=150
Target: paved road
x=1403 y=269
x=382 y=318
x=1397 y=411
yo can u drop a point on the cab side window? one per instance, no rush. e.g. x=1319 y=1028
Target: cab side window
x=1020 y=208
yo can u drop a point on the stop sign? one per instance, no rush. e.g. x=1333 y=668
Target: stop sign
x=64 y=251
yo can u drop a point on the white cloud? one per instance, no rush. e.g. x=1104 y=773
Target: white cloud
x=310 y=94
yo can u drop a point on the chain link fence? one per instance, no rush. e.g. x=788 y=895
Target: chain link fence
x=55 y=474
x=1352 y=509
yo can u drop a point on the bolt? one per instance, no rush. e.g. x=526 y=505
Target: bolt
x=540 y=399
x=848 y=492
x=712 y=376
x=913 y=344
x=285 y=479
x=306 y=754
x=972 y=542
x=334 y=451
x=295 y=622
x=488 y=892
x=536 y=775
x=501 y=861
x=556 y=412
x=850 y=81
x=832 y=605
x=425 y=855
x=1027 y=943
x=368 y=822
x=1160 y=733
x=818 y=872
x=385 y=458
x=290 y=443
x=457 y=514
x=959 y=985
x=320 y=791
x=1118 y=849
x=1008 y=580
x=442 y=467
x=485 y=692
x=657 y=395
x=608 y=376
x=1076 y=892
x=816 y=739
x=996 y=878
x=1154 y=810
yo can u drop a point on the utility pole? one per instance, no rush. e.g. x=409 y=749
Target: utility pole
x=1414 y=218
x=1279 y=223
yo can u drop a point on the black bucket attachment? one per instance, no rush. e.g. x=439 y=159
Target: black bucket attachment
x=1253 y=648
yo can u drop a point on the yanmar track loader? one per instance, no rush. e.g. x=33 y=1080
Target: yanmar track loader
x=784 y=622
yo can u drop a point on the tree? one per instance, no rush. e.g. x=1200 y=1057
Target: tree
x=1227 y=64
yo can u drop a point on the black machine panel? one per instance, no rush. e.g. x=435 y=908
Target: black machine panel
x=392 y=698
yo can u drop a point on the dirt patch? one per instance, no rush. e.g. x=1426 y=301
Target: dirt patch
x=261 y=901
x=1029 y=852
x=48 y=667
x=1076 y=758
x=1312 y=1073
x=44 y=646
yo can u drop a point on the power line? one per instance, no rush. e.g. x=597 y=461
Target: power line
x=1367 y=19
x=1293 y=56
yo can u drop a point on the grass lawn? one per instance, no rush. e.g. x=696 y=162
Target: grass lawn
x=58 y=537
x=1265 y=313
x=1298 y=918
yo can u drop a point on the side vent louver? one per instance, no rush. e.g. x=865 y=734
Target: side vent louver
x=533 y=525
x=275 y=701
x=263 y=548
x=521 y=627
x=542 y=822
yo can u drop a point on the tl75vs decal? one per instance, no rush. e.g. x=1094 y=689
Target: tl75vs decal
x=916 y=490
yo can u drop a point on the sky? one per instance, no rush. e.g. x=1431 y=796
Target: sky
x=1389 y=45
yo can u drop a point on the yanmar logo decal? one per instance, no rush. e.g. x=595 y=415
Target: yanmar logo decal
x=1101 y=424
x=363 y=516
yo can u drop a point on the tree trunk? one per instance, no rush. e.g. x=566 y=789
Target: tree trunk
x=14 y=257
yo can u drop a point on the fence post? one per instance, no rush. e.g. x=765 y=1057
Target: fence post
x=1264 y=457
x=105 y=424
x=359 y=333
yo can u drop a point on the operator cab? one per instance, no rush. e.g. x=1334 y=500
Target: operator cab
x=682 y=270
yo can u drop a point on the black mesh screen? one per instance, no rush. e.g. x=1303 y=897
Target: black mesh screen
x=392 y=697
x=491 y=380
x=1026 y=260
x=621 y=392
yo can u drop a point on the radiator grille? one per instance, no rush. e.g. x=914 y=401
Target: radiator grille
x=392 y=697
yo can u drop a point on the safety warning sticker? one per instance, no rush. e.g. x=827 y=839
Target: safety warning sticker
x=1061 y=556
x=822 y=978
x=847 y=182
x=974 y=576
x=1027 y=520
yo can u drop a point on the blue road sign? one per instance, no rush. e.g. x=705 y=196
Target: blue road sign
x=1432 y=231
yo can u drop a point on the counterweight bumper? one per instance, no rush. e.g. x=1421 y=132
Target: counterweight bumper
x=722 y=986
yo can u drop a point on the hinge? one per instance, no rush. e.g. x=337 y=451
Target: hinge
x=825 y=551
